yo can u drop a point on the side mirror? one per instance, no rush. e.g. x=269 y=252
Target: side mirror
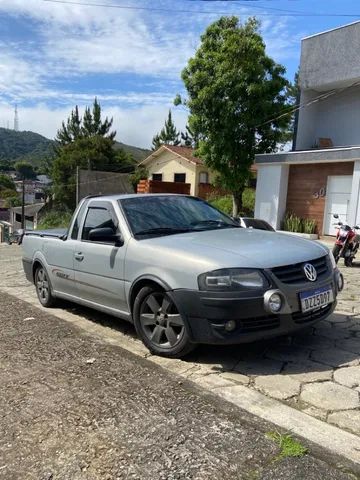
x=105 y=235
x=336 y=215
x=357 y=227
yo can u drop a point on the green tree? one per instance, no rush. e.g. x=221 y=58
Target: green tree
x=25 y=170
x=6 y=183
x=188 y=138
x=235 y=94
x=168 y=135
x=86 y=142
x=141 y=173
x=293 y=94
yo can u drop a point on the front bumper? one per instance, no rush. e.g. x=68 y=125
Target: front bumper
x=206 y=313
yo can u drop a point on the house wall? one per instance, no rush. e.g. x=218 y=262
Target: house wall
x=271 y=191
x=331 y=58
x=336 y=117
x=168 y=163
x=307 y=180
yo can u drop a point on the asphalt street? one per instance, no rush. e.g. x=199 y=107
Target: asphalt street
x=74 y=407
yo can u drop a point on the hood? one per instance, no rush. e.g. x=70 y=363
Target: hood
x=248 y=248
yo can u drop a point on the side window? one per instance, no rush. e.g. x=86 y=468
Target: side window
x=97 y=218
x=157 y=177
x=76 y=226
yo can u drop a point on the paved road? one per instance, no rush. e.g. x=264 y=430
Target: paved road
x=75 y=407
x=317 y=372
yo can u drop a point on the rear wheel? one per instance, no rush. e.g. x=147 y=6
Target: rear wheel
x=348 y=262
x=43 y=287
x=160 y=325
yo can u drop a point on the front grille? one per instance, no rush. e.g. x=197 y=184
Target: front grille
x=300 y=317
x=261 y=323
x=295 y=273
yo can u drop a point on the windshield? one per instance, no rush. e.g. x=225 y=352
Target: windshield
x=166 y=215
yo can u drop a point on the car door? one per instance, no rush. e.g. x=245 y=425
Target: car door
x=60 y=257
x=99 y=266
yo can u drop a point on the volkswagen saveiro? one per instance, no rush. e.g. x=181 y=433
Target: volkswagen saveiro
x=182 y=272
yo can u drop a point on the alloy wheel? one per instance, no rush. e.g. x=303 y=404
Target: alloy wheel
x=161 y=321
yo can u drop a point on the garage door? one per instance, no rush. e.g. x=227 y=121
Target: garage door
x=338 y=195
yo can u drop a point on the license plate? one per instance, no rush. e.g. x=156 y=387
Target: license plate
x=315 y=299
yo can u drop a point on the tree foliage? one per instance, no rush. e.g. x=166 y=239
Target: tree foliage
x=235 y=94
x=86 y=142
x=25 y=170
x=168 y=135
x=6 y=183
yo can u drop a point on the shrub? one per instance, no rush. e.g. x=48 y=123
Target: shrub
x=55 y=219
x=225 y=203
x=293 y=223
x=309 y=225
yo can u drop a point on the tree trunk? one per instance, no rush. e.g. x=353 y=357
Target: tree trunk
x=237 y=202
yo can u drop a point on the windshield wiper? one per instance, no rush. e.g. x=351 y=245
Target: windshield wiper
x=217 y=223
x=164 y=230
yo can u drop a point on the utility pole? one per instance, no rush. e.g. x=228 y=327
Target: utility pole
x=23 y=204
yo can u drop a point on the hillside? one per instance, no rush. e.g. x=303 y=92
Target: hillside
x=34 y=148
x=24 y=145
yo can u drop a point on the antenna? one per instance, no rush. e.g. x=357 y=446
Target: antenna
x=16 y=120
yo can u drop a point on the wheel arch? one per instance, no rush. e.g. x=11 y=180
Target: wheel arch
x=143 y=281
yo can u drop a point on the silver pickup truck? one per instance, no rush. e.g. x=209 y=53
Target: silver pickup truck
x=183 y=272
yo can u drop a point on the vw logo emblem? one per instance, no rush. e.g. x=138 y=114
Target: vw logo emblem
x=310 y=272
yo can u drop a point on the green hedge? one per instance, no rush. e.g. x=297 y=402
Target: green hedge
x=55 y=219
x=225 y=203
x=293 y=223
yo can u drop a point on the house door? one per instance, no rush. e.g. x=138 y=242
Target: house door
x=338 y=195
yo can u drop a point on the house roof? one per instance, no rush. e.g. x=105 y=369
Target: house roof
x=29 y=209
x=186 y=153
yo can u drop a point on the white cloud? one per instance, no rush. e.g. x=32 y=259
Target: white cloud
x=135 y=126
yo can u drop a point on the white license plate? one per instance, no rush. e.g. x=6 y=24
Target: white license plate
x=314 y=299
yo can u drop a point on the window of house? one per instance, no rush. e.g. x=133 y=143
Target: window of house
x=157 y=177
x=204 y=177
x=180 y=177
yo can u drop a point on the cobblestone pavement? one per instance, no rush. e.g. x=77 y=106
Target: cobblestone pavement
x=317 y=371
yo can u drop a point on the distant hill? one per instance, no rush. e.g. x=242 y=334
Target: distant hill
x=138 y=153
x=34 y=148
x=24 y=145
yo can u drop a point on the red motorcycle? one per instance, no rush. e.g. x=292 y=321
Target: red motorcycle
x=346 y=244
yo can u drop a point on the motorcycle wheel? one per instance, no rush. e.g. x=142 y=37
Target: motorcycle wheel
x=348 y=262
x=336 y=252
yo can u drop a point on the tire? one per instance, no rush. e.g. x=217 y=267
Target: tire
x=43 y=287
x=335 y=252
x=348 y=262
x=159 y=324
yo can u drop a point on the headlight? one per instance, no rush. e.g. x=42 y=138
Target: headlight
x=232 y=279
x=332 y=260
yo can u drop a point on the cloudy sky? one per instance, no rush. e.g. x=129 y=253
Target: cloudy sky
x=129 y=53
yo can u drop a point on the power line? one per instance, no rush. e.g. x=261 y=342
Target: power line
x=205 y=12
x=299 y=106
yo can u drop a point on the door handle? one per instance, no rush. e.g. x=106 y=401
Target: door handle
x=79 y=256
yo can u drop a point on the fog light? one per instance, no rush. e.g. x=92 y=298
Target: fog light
x=275 y=302
x=340 y=282
x=230 y=325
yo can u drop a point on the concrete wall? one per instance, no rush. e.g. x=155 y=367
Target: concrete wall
x=337 y=117
x=331 y=58
x=271 y=193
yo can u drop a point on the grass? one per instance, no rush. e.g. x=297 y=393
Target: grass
x=225 y=203
x=289 y=447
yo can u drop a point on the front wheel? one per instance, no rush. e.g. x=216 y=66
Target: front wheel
x=160 y=325
x=336 y=252
x=43 y=287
